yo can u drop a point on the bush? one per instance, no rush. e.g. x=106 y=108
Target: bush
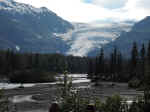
x=5 y=104
x=112 y=104
x=134 y=83
x=31 y=76
x=73 y=102
x=71 y=99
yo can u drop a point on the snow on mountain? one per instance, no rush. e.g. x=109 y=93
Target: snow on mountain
x=13 y=6
x=86 y=38
x=28 y=29
x=140 y=34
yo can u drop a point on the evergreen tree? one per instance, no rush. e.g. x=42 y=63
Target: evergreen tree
x=148 y=53
x=101 y=68
x=96 y=67
x=113 y=64
x=146 y=80
x=119 y=66
x=30 y=61
x=134 y=61
x=142 y=58
x=36 y=61
x=8 y=68
x=90 y=68
x=1 y=64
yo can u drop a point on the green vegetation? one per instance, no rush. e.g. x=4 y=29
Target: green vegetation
x=32 y=67
x=41 y=67
x=5 y=105
x=134 y=83
x=119 y=68
x=71 y=100
x=32 y=76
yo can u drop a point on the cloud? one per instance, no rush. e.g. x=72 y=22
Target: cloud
x=143 y=4
x=137 y=9
x=87 y=1
x=109 y=4
x=72 y=10
x=93 y=10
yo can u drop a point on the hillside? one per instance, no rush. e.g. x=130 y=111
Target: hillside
x=25 y=28
x=140 y=34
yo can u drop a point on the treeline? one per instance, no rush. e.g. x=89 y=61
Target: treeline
x=120 y=68
x=33 y=67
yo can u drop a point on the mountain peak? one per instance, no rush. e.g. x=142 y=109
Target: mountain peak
x=32 y=29
x=147 y=17
x=6 y=2
x=10 y=5
x=44 y=9
x=142 y=25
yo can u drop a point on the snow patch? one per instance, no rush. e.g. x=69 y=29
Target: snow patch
x=13 y=6
x=87 y=37
x=39 y=37
x=17 y=48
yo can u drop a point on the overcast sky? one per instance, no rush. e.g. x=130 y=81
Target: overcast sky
x=95 y=10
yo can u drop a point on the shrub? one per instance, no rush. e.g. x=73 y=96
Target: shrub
x=113 y=104
x=134 y=83
x=31 y=76
x=4 y=102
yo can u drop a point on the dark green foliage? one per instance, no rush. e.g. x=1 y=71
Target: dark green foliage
x=101 y=64
x=113 y=104
x=134 y=83
x=5 y=104
x=71 y=100
x=120 y=68
x=31 y=76
x=142 y=61
x=74 y=102
x=30 y=67
x=148 y=53
x=90 y=68
x=134 y=60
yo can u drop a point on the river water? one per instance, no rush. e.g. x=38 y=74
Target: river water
x=76 y=78
x=82 y=82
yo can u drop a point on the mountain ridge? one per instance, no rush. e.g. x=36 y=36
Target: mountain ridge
x=39 y=30
x=31 y=29
x=140 y=34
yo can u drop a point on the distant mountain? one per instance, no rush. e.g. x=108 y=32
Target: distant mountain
x=25 y=28
x=140 y=34
x=87 y=39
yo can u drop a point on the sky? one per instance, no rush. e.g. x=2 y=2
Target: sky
x=95 y=10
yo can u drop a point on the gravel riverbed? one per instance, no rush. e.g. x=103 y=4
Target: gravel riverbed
x=38 y=97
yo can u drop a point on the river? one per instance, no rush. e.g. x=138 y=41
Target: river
x=44 y=92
